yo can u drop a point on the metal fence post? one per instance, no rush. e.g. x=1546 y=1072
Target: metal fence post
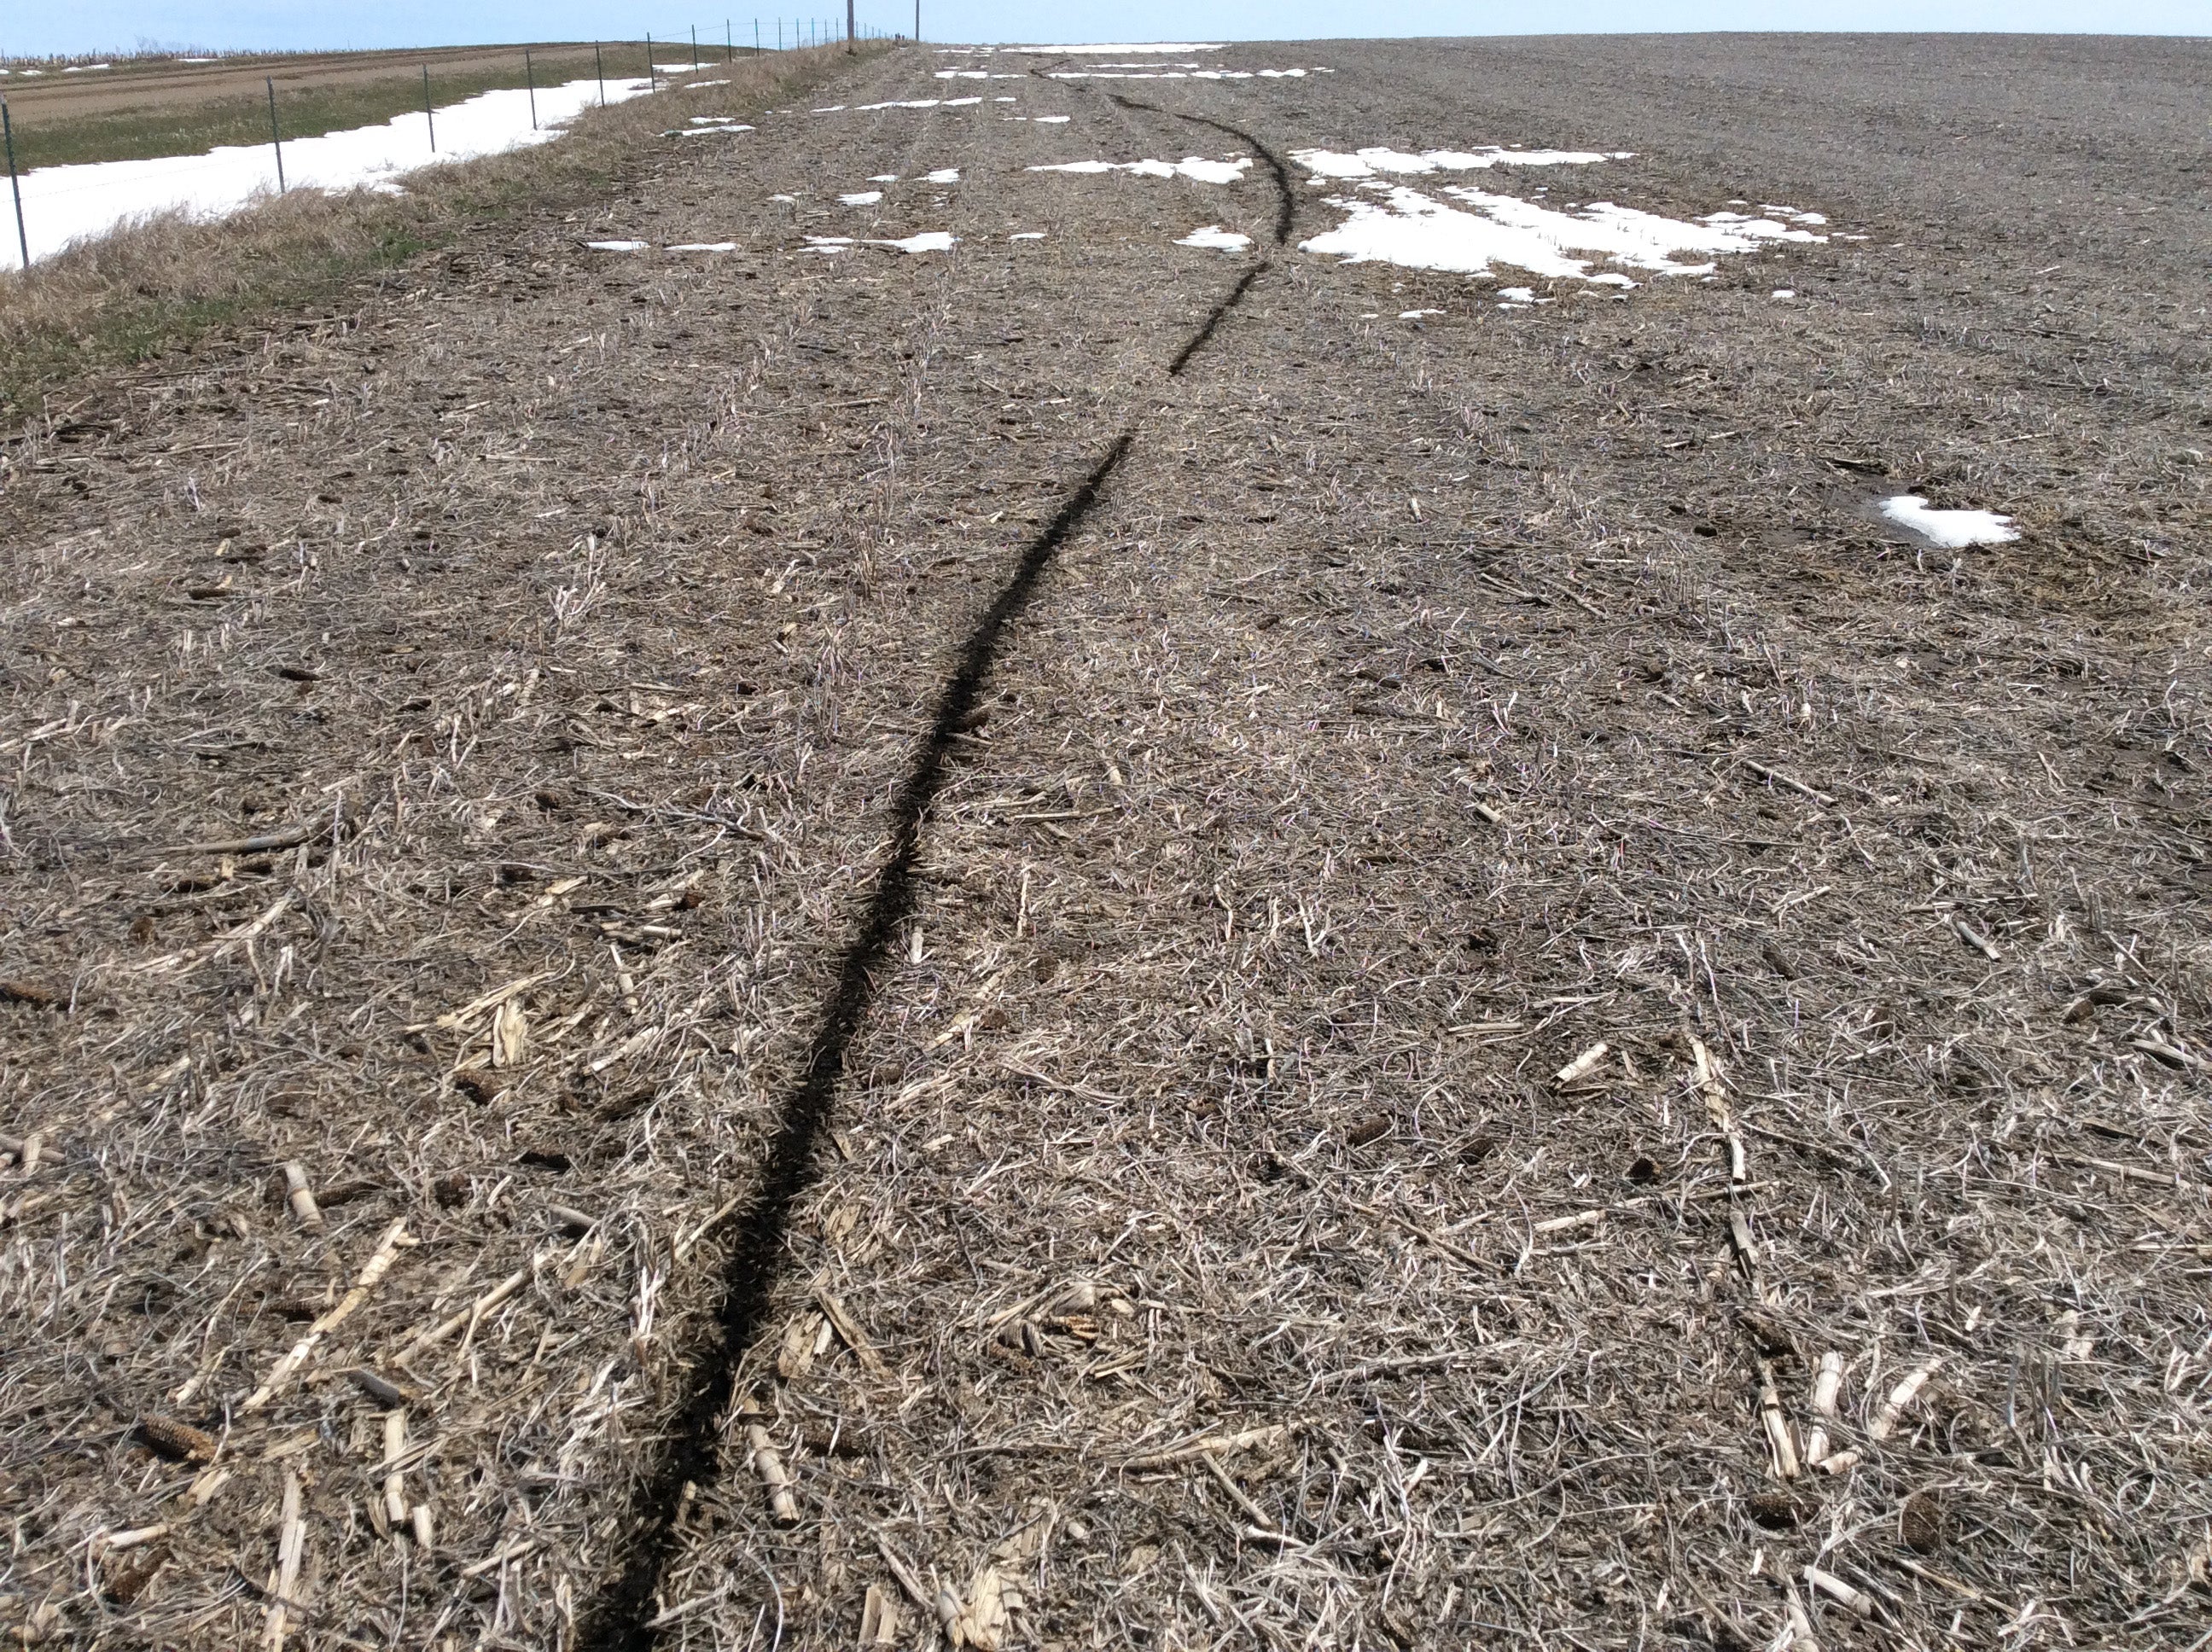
x=431 y=119
x=8 y=131
x=276 y=137
x=601 y=61
x=695 y=48
x=531 y=76
x=756 y=45
x=729 y=41
x=651 y=78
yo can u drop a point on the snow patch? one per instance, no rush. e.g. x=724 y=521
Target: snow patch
x=930 y=240
x=904 y=103
x=1407 y=227
x=1215 y=237
x=1952 y=529
x=618 y=246
x=1158 y=49
x=704 y=246
x=1366 y=163
x=943 y=175
x=64 y=204
x=862 y=197
x=1195 y=167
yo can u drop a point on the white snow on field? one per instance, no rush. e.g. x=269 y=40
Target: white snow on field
x=618 y=246
x=930 y=240
x=1051 y=120
x=943 y=175
x=1195 y=167
x=1214 y=236
x=862 y=197
x=61 y=204
x=1366 y=163
x=907 y=103
x=1407 y=227
x=704 y=246
x=1179 y=74
x=1156 y=50
x=1027 y=235
x=1952 y=529
x=1764 y=229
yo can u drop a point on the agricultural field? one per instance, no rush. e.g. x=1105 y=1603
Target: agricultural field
x=1345 y=844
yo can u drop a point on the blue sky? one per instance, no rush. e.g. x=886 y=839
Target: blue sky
x=114 y=24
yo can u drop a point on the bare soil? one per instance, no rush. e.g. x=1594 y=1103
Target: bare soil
x=1062 y=1113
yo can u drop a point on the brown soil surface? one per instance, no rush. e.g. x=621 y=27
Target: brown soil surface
x=478 y=750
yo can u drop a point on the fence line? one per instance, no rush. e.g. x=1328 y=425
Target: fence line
x=802 y=31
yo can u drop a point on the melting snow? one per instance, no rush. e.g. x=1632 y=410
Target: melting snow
x=907 y=103
x=884 y=178
x=1410 y=229
x=1179 y=75
x=704 y=246
x=1051 y=120
x=61 y=204
x=1191 y=167
x=1415 y=315
x=618 y=246
x=930 y=240
x=1953 y=530
x=1365 y=163
x=1764 y=229
x=1214 y=236
x=1156 y=50
x=862 y=197
x=1027 y=235
x=944 y=175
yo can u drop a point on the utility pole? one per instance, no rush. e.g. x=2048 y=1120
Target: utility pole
x=851 y=33
x=599 y=59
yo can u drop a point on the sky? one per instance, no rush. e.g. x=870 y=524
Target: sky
x=81 y=26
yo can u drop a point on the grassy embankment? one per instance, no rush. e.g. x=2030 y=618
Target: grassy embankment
x=160 y=285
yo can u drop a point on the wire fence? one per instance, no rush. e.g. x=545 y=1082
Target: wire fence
x=55 y=205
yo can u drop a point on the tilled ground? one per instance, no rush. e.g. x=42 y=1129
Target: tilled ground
x=462 y=756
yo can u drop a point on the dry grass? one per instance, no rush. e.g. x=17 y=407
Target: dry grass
x=160 y=285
